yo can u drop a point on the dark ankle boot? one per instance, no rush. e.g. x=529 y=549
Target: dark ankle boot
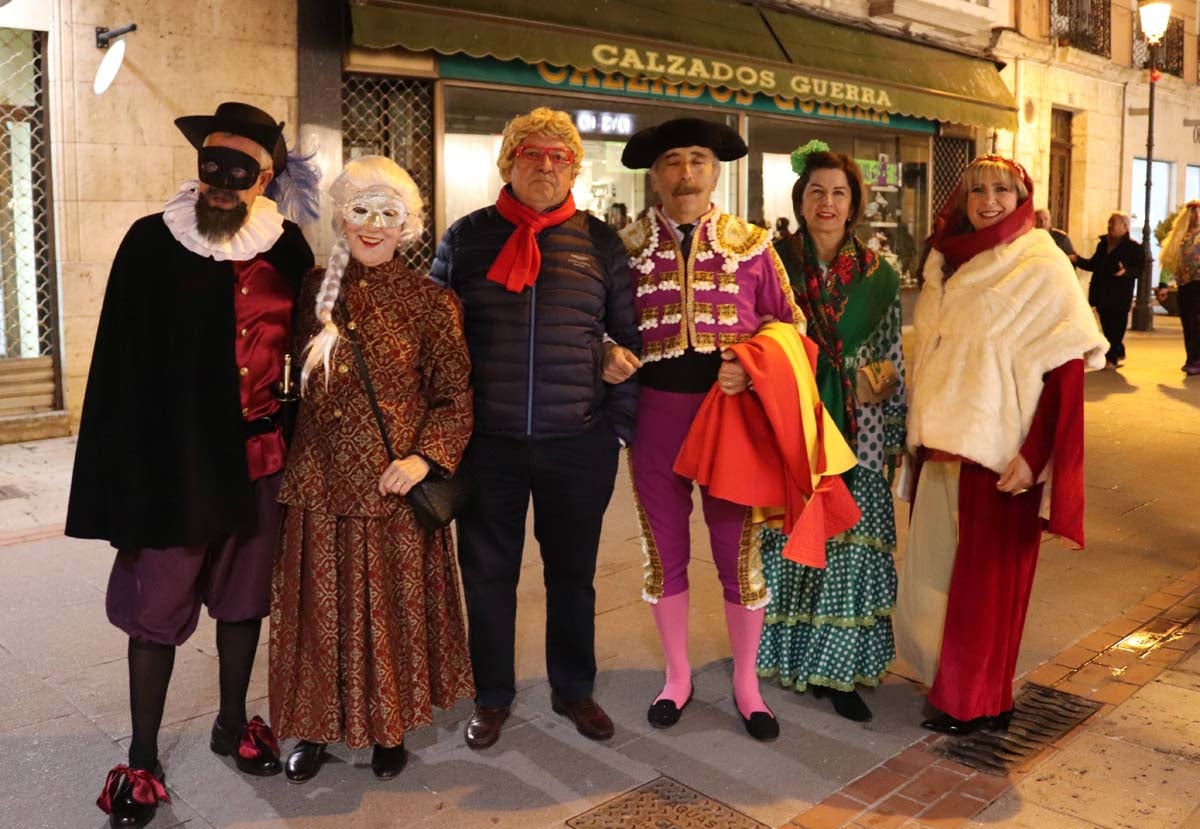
x=388 y=762
x=305 y=761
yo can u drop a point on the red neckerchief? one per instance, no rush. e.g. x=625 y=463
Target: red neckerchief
x=958 y=242
x=519 y=261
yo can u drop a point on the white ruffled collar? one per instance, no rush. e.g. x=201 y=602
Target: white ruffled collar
x=259 y=234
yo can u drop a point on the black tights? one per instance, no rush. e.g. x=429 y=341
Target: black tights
x=150 y=666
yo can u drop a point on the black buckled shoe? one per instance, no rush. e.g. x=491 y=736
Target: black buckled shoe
x=664 y=713
x=305 y=761
x=388 y=762
x=847 y=704
x=252 y=745
x=131 y=796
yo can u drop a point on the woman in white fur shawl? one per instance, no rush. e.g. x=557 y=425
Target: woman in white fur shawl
x=995 y=421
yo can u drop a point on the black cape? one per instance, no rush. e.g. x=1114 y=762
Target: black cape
x=161 y=458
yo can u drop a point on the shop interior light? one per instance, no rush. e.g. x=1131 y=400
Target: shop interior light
x=1155 y=15
x=110 y=65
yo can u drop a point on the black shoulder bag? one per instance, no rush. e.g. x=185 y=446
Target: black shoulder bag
x=437 y=499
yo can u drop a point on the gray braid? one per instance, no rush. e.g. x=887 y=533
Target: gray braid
x=320 y=348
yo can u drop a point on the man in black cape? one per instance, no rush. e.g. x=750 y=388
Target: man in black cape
x=180 y=452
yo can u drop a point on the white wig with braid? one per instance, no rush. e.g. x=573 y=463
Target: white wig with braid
x=372 y=172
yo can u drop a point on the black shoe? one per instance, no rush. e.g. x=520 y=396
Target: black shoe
x=945 y=724
x=388 y=762
x=761 y=725
x=665 y=713
x=252 y=745
x=847 y=703
x=305 y=761
x=131 y=796
x=483 y=728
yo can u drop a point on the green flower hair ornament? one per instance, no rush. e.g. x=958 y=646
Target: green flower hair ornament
x=800 y=154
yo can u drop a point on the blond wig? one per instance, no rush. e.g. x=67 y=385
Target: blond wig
x=547 y=122
x=371 y=172
x=990 y=167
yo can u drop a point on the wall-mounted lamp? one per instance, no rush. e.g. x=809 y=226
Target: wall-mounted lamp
x=111 y=64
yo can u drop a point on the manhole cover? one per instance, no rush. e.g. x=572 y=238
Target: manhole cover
x=663 y=803
x=1040 y=716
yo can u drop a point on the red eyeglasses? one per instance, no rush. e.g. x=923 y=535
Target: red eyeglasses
x=558 y=156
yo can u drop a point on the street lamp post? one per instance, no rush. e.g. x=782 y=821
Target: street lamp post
x=1155 y=14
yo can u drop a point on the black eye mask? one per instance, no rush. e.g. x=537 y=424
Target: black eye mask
x=227 y=169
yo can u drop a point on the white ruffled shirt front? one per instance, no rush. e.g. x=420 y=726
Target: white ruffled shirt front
x=263 y=227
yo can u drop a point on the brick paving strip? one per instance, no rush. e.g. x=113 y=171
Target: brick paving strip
x=918 y=789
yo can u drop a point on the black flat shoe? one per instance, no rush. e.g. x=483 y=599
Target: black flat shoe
x=388 y=762
x=131 y=796
x=305 y=761
x=253 y=747
x=847 y=703
x=945 y=724
x=665 y=713
x=761 y=725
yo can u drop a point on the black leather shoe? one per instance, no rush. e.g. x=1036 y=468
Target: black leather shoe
x=945 y=724
x=388 y=762
x=131 y=796
x=665 y=713
x=589 y=718
x=483 y=729
x=761 y=725
x=252 y=745
x=847 y=703
x=305 y=761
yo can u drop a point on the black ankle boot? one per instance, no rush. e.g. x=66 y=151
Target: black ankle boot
x=388 y=762
x=305 y=761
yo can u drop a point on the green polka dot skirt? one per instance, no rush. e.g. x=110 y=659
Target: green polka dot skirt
x=833 y=626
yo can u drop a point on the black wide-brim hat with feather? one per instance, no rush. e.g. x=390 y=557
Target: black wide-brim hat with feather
x=238 y=119
x=648 y=144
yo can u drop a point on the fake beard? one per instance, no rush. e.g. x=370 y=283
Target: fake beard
x=217 y=224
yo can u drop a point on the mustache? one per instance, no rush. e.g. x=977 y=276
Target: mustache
x=686 y=190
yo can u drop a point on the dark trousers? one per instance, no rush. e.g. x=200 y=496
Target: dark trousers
x=1113 y=321
x=571 y=482
x=1189 y=314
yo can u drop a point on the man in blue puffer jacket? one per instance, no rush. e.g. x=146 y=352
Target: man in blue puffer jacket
x=542 y=284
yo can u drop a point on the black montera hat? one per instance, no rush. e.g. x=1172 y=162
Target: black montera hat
x=646 y=146
x=239 y=119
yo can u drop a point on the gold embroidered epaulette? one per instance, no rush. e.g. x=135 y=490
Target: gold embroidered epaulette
x=736 y=239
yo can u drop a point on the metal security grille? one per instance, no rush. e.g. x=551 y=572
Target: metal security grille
x=1084 y=24
x=1170 y=51
x=28 y=299
x=950 y=158
x=394 y=117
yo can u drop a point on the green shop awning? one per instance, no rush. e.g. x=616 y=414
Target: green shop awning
x=707 y=43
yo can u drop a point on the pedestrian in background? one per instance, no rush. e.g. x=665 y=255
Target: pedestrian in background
x=1116 y=266
x=367 y=631
x=1060 y=237
x=830 y=629
x=1002 y=334
x=1180 y=258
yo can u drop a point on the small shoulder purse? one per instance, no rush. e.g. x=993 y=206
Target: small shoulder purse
x=876 y=381
x=436 y=500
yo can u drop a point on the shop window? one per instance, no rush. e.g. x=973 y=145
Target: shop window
x=474 y=122
x=1192 y=184
x=1161 y=187
x=28 y=294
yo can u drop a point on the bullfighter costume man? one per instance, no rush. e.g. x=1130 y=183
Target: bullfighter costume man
x=180 y=452
x=706 y=281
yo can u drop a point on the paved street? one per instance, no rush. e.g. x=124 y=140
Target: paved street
x=64 y=718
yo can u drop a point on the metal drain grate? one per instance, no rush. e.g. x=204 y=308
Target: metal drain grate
x=1040 y=716
x=663 y=802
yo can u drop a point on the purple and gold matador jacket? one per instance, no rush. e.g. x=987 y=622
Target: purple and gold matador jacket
x=732 y=280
